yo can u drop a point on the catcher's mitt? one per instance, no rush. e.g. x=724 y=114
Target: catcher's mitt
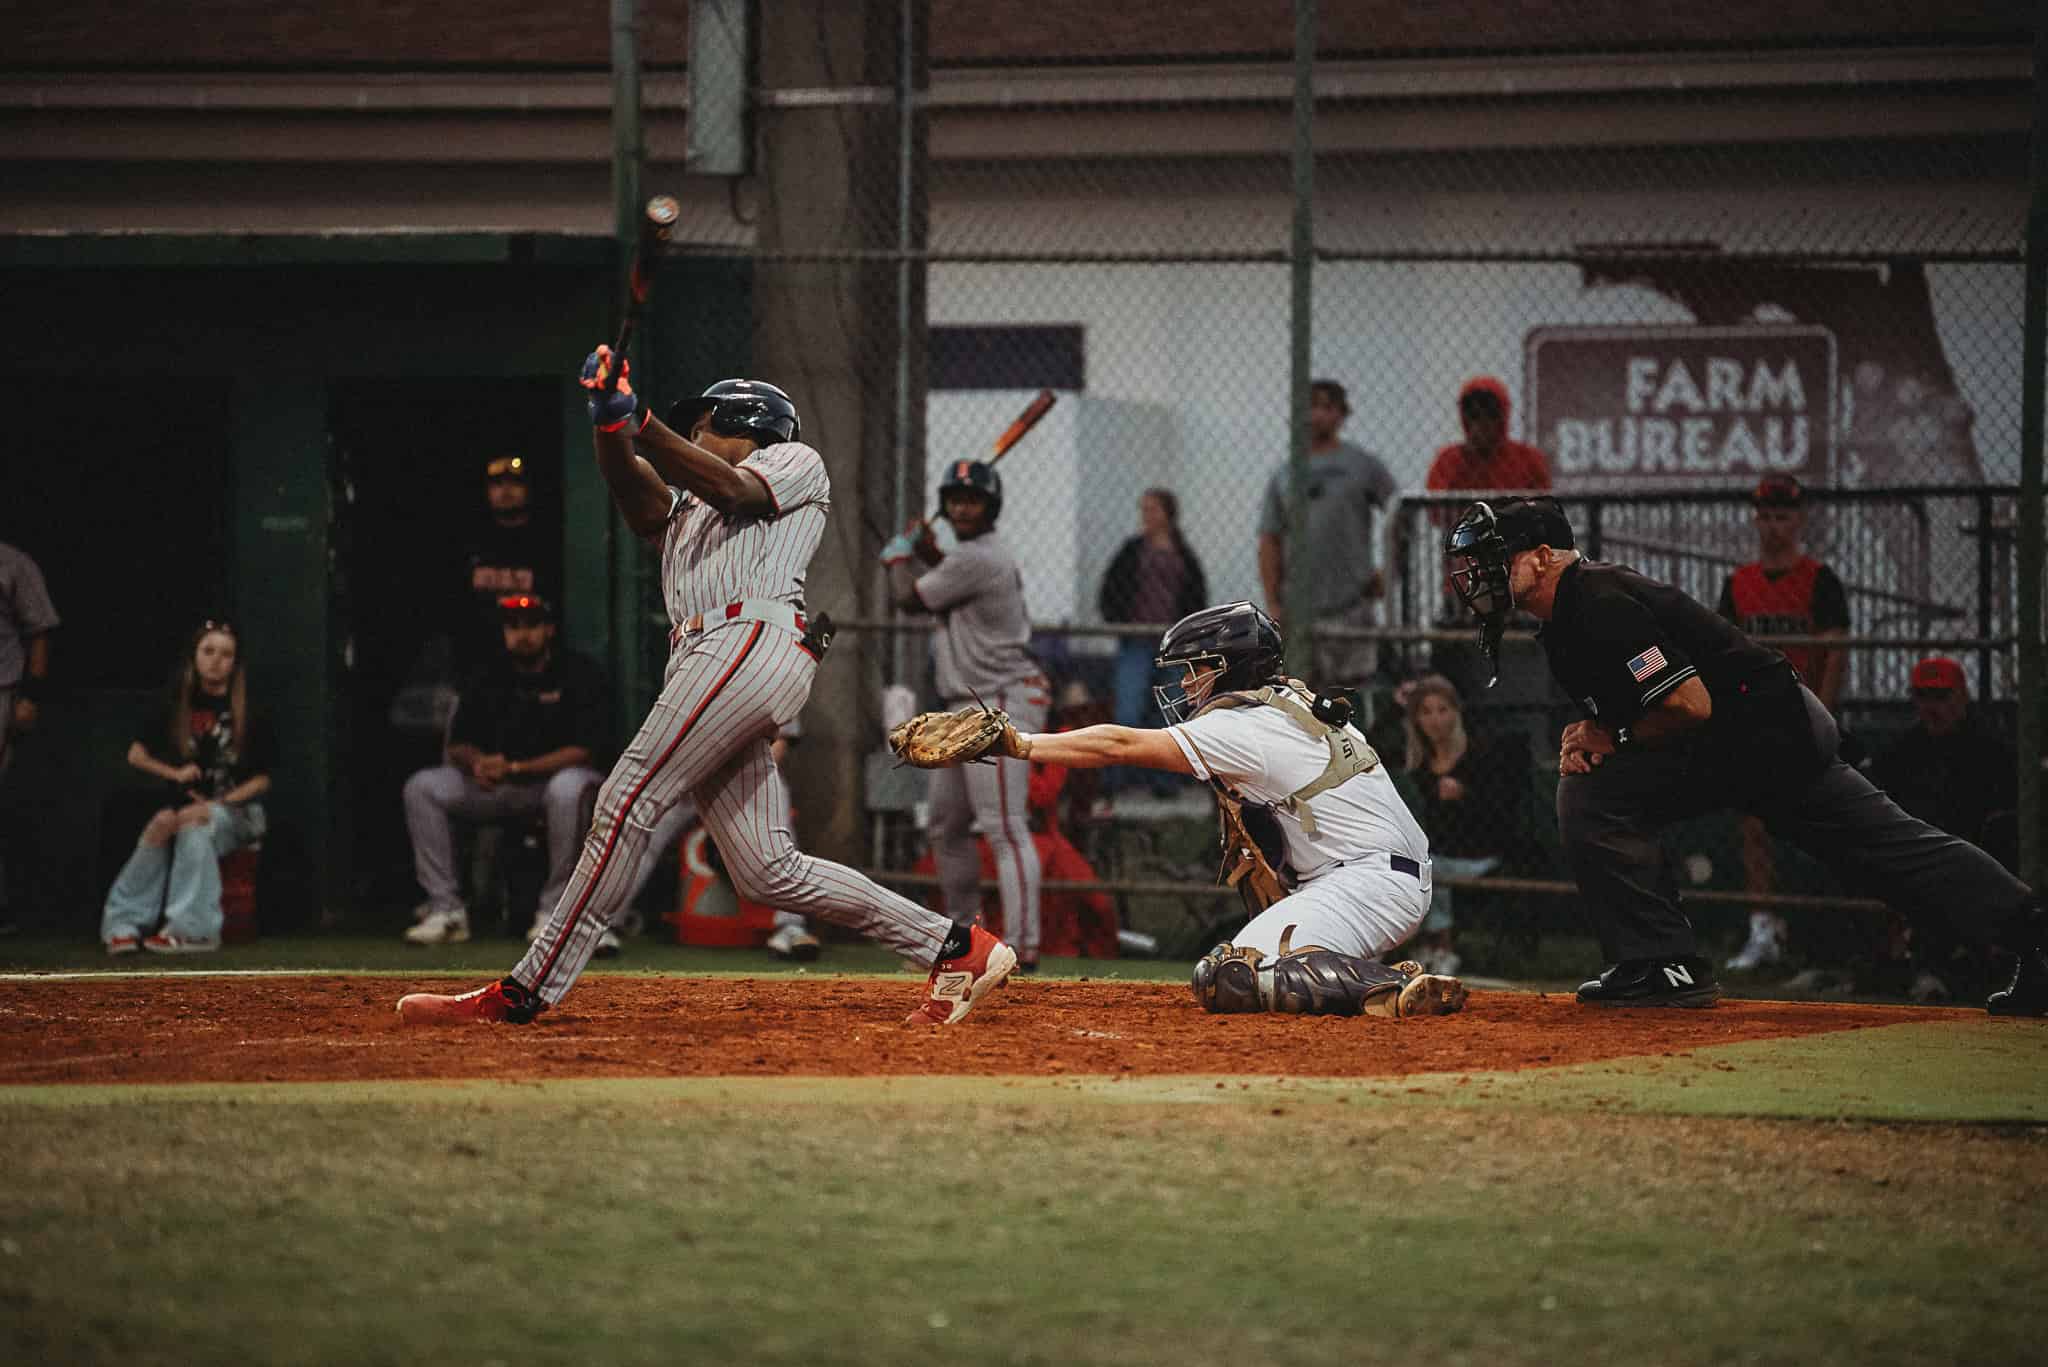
x=937 y=740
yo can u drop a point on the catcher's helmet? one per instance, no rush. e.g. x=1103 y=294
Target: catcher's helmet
x=741 y=408
x=1237 y=637
x=1477 y=552
x=976 y=477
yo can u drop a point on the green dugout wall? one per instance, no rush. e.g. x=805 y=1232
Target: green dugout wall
x=254 y=341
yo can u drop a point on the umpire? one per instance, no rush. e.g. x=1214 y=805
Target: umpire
x=1682 y=715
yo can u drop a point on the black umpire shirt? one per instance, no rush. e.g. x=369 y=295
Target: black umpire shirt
x=1619 y=643
x=505 y=712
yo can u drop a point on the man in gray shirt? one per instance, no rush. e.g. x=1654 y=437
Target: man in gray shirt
x=981 y=651
x=26 y=619
x=1347 y=486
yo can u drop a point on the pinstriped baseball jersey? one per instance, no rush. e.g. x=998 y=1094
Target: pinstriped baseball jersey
x=709 y=560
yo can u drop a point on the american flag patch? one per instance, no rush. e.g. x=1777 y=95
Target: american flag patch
x=1646 y=664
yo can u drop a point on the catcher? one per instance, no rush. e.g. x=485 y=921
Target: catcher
x=1331 y=865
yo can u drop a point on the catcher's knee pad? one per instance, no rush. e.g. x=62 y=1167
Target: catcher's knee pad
x=1226 y=980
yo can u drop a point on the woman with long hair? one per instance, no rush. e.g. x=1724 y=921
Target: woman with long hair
x=1469 y=804
x=201 y=739
x=1155 y=577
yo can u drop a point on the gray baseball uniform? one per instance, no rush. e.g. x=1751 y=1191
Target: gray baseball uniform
x=738 y=671
x=982 y=650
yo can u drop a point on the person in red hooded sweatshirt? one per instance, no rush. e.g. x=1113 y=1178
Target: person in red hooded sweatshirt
x=1488 y=458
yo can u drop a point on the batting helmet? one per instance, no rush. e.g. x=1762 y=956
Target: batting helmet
x=741 y=408
x=1237 y=637
x=975 y=477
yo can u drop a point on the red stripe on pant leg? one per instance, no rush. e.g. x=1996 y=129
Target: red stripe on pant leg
x=1014 y=934
x=626 y=808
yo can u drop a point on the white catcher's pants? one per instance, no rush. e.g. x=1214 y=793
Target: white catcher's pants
x=1362 y=909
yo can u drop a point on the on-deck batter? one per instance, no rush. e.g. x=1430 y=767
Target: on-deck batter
x=981 y=652
x=739 y=506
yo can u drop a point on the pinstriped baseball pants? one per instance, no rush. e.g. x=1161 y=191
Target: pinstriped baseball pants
x=708 y=735
x=993 y=797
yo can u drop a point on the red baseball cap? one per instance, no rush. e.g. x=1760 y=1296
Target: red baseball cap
x=1939 y=671
x=1778 y=491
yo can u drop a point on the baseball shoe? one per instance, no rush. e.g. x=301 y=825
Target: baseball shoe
x=609 y=946
x=1431 y=994
x=124 y=944
x=1766 y=944
x=503 y=1000
x=794 y=943
x=164 y=942
x=1653 y=982
x=448 y=926
x=957 y=984
x=2027 y=993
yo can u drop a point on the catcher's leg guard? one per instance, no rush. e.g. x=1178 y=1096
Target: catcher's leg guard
x=1322 y=982
x=1226 y=980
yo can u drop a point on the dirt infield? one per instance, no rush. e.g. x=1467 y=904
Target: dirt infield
x=329 y=1028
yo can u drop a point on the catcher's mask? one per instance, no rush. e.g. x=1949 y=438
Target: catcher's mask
x=741 y=408
x=1237 y=639
x=976 y=477
x=1480 y=548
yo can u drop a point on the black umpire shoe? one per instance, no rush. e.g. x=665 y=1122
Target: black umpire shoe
x=2027 y=994
x=1653 y=982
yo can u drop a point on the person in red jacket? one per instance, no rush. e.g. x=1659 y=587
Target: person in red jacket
x=1783 y=592
x=1488 y=458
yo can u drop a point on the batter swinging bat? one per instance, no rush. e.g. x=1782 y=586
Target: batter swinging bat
x=1014 y=433
x=655 y=221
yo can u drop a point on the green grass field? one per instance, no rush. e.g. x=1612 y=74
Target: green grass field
x=1871 y=1196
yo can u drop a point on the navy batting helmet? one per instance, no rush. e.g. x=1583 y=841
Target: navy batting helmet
x=1239 y=638
x=741 y=408
x=977 y=477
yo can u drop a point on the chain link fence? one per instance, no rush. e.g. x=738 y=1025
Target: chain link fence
x=1687 y=269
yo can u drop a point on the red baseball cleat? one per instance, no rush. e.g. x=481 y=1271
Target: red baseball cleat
x=503 y=1000
x=957 y=984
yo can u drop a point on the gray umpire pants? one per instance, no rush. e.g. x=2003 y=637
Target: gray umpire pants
x=438 y=797
x=1609 y=820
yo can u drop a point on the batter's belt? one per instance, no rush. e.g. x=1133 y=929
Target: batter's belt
x=785 y=615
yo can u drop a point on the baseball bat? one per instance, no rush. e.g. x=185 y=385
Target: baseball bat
x=655 y=221
x=1014 y=433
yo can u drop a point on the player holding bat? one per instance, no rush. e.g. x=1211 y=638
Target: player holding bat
x=737 y=503
x=981 y=652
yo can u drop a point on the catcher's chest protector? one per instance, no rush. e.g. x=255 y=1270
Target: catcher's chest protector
x=1350 y=755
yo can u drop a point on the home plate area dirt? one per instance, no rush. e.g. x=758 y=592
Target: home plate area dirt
x=331 y=1028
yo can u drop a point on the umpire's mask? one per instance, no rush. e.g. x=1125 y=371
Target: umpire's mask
x=1477 y=553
